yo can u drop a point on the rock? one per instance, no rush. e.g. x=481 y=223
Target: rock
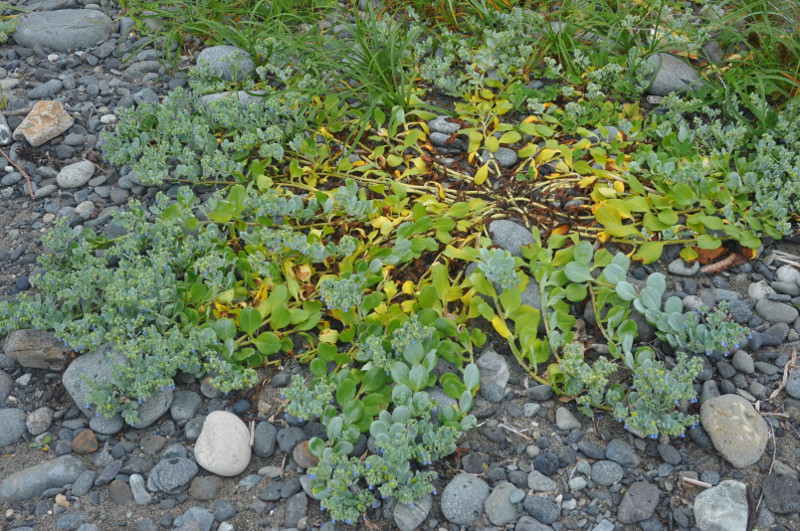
x=411 y=517
x=622 y=453
x=39 y=420
x=120 y=492
x=510 y=236
x=539 y=392
x=790 y=288
x=244 y=97
x=106 y=426
x=444 y=124
x=788 y=273
x=84 y=443
x=722 y=508
x=739 y=311
x=5 y=131
x=228 y=62
x=679 y=267
x=47 y=120
x=793 y=384
x=542 y=509
x=99 y=364
x=264 y=439
x=62 y=30
x=140 y=494
x=296 y=509
x=289 y=437
x=494 y=374
x=759 y=290
x=171 y=475
x=185 y=405
x=498 y=505
x=205 y=488
x=6 y=385
x=74 y=521
x=463 y=499
x=505 y=157
x=538 y=482
x=75 y=175
x=526 y=523
x=32 y=481
x=776 y=312
x=12 y=426
x=671 y=74
x=303 y=456
x=742 y=362
x=223 y=447
x=195 y=519
x=736 y=430
x=782 y=493
x=35 y=349
x=639 y=502
x=546 y=463
x=565 y=420
x=606 y=473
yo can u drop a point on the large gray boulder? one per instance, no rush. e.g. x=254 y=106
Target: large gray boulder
x=66 y=29
x=672 y=74
x=33 y=481
x=100 y=365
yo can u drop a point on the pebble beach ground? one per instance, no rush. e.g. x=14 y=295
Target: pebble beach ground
x=199 y=460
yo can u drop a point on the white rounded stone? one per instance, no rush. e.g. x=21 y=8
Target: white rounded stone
x=223 y=447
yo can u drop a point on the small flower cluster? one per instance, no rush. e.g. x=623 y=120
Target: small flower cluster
x=410 y=332
x=307 y=402
x=342 y=294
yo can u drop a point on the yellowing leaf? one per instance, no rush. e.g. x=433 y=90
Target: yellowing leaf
x=510 y=137
x=501 y=327
x=482 y=174
x=390 y=288
x=546 y=155
x=607 y=192
x=408 y=287
x=619 y=186
x=586 y=182
x=492 y=144
x=329 y=336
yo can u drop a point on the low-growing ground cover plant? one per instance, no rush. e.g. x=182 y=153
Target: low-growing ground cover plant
x=344 y=233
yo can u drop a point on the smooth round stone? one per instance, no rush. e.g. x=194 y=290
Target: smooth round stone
x=737 y=431
x=39 y=420
x=223 y=447
x=606 y=473
x=12 y=426
x=463 y=499
x=75 y=175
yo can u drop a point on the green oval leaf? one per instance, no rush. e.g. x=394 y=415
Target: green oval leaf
x=249 y=320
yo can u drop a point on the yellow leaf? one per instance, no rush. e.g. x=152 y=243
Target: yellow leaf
x=482 y=174
x=586 y=182
x=407 y=306
x=619 y=186
x=501 y=327
x=329 y=336
x=606 y=191
x=390 y=288
x=492 y=144
x=546 y=155
x=408 y=287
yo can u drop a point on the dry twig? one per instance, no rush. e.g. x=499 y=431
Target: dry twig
x=27 y=177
